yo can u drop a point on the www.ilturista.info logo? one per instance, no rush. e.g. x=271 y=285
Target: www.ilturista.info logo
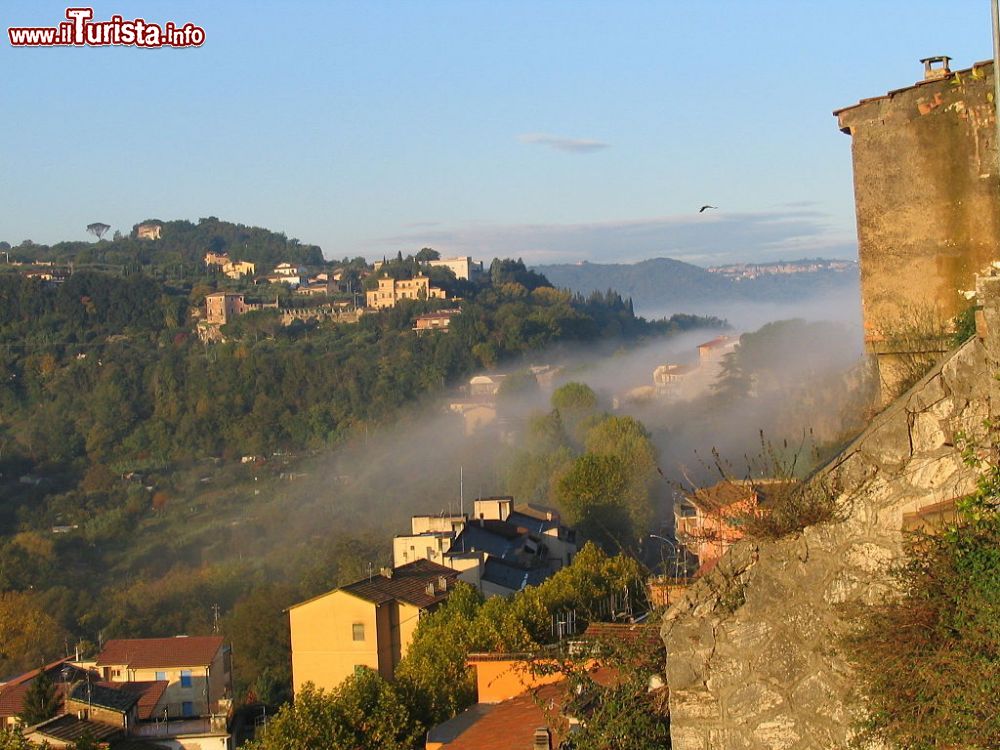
x=79 y=30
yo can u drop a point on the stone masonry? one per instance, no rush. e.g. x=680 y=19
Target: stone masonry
x=927 y=199
x=753 y=659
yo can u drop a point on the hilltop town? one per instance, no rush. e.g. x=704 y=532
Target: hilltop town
x=254 y=497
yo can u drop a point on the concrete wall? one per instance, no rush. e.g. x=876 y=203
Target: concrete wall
x=926 y=192
x=324 y=651
x=752 y=657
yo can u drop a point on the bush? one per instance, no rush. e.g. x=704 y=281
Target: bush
x=928 y=663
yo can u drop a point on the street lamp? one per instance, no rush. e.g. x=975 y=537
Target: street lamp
x=673 y=546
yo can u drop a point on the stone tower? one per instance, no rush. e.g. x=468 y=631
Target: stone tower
x=927 y=196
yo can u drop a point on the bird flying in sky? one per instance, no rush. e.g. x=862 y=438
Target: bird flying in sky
x=702 y=209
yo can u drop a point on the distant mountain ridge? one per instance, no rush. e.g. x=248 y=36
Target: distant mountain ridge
x=665 y=282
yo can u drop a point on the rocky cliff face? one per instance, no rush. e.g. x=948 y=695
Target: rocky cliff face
x=753 y=657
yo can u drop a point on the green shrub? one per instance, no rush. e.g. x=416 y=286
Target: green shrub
x=928 y=662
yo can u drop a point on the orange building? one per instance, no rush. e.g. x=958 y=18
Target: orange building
x=704 y=519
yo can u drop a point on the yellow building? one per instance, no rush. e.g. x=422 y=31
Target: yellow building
x=236 y=269
x=368 y=623
x=197 y=670
x=390 y=291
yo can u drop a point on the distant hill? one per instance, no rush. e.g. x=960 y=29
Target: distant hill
x=179 y=242
x=665 y=283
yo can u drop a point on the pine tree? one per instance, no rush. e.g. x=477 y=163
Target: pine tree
x=40 y=701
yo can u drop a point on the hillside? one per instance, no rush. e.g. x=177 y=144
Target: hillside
x=181 y=243
x=665 y=284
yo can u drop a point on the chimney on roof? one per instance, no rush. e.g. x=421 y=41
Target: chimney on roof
x=931 y=72
x=543 y=739
x=442 y=583
x=386 y=572
x=429 y=590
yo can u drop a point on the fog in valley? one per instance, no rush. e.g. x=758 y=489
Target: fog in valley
x=807 y=393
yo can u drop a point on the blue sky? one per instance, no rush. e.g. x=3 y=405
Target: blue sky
x=555 y=130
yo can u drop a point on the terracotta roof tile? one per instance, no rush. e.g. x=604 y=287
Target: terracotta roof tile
x=12 y=692
x=509 y=725
x=150 y=653
x=148 y=693
x=409 y=583
x=67 y=727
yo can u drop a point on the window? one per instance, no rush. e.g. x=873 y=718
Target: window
x=187 y=708
x=185 y=678
x=358 y=629
x=161 y=675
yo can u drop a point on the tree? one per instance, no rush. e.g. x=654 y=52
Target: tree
x=40 y=702
x=628 y=713
x=98 y=229
x=363 y=713
x=426 y=253
x=11 y=738
x=259 y=634
x=626 y=438
x=594 y=495
x=29 y=636
x=926 y=661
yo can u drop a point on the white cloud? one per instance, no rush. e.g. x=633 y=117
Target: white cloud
x=560 y=143
x=721 y=238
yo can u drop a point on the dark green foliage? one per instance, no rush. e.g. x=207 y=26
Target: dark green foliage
x=927 y=662
x=630 y=712
x=965 y=326
x=40 y=701
x=593 y=497
x=87 y=742
x=364 y=713
x=434 y=673
x=181 y=248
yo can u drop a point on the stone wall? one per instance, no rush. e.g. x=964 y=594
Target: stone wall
x=752 y=648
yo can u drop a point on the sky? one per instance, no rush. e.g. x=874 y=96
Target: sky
x=553 y=130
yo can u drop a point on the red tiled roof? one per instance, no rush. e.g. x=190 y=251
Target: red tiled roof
x=408 y=584
x=149 y=692
x=12 y=692
x=150 y=653
x=69 y=728
x=509 y=725
x=717 y=342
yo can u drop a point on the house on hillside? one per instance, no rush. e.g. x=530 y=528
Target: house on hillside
x=368 y=623
x=197 y=670
x=522 y=704
x=703 y=519
x=500 y=549
x=669 y=380
x=237 y=269
x=13 y=691
x=390 y=291
x=174 y=692
x=151 y=230
x=216 y=259
x=435 y=321
x=463 y=267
